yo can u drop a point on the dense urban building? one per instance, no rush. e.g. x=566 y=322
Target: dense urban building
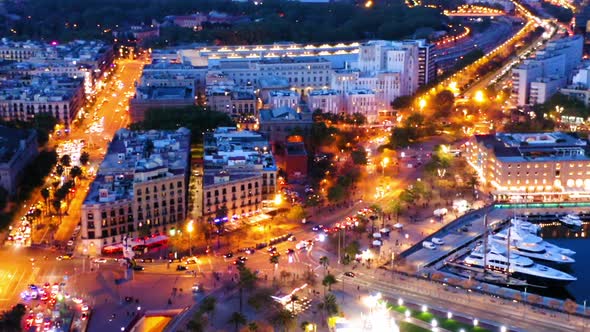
x=538 y=78
x=278 y=124
x=140 y=188
x=151 y=97
x=531 y=166
x=18 y=147
x=60 y=96
x=239 y=173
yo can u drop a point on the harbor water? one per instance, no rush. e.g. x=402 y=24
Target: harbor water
x=577 y=241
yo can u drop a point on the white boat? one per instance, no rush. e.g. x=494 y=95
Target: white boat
x=531 y=246
x=571 y=220
x=497 y=259
x=525 y=225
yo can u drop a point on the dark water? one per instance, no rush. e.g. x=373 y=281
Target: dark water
x=577 y=241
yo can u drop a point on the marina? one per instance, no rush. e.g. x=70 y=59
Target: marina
x=513 y=244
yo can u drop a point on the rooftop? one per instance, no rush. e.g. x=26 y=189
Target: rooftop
x=535 y=146
x=139 y=156
x=323 y=92
x=282 y=114
x=164 y=93
x=237 y=151
x=10 y=139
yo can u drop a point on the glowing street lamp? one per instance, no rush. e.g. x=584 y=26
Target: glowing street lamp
x=278 y=199
x=479 y=96
x=422 y=103
x=190 y=228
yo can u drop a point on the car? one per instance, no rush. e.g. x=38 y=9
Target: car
x=147 y=260
x=70 y=243
x=138 y=268
x=249 y=251
x=428 y=245
x=240 y=260
x=464 y=229
x=197 y=288
x=292 y=238
x=181 y=268
x=190 y=260
x=100 y=260
x=271 y=249
x=84 y=316
x=290 y=251
x=228 y=255
x=63 y=257
x=84 y=307
x=317 y=228
x=350 y=274
x=438 y=241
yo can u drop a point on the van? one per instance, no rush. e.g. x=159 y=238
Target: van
x=428 y=245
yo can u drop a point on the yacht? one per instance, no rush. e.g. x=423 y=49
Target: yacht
x=571 y=219
x=525 y=225
x=531 y=246
x=497 y=259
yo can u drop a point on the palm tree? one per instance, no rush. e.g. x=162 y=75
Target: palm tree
x=282 y=318
x=324 y=262
x=237 y=319
x=329 y=304
x=252 y=327
x=328 y=281
x=84 y=158
x=65 y=160
x=57 y=206
x=45 y=193
x=208 y=305
x=274 y=259
x=294 y=298
x=247 y=280
x=75 y=172
x=59 y=170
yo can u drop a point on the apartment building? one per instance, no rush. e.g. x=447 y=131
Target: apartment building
x=18 y=147
x=61 y=97
x=141 y=187
x=239 y=173
x=551 y=68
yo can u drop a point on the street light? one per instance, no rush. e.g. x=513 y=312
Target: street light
x=190 y=228
x=384 y=163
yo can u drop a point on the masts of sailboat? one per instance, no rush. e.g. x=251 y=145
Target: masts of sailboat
x=485 y=243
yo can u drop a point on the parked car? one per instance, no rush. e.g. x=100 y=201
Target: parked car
x=181 y=268
x=428 y=245
x=438 y=241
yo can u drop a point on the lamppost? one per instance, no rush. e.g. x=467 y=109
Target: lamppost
x=190 y=228
x=384 y=163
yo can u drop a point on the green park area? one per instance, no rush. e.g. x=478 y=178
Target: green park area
x=443 y=322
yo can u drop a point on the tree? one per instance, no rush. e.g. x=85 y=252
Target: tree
x=294 y=298
x=45 y=194
x=274 y=260
x=237 y=319
x=359 y=156
x=59 y=170
x=11 y=320
x=84 y=158
x=296 y=213
x=208 y=305
x=336 y=193
x=571 y=307
x=65 y=160
x=329 y=304
x=56 y=203
x=3 y=198
x=324 y=262
x=247 y=280
x=75 y=172
x=328 y=281
x=260 y=298
x=282 y=319
x=352 y=249
x=197 y=323
x=402 y=102
x=443 y=103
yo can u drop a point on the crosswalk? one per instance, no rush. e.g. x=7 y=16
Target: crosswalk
x=13 y=282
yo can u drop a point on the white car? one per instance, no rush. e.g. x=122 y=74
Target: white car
x=428 y=245
x=438 y=241
x=100 y=260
